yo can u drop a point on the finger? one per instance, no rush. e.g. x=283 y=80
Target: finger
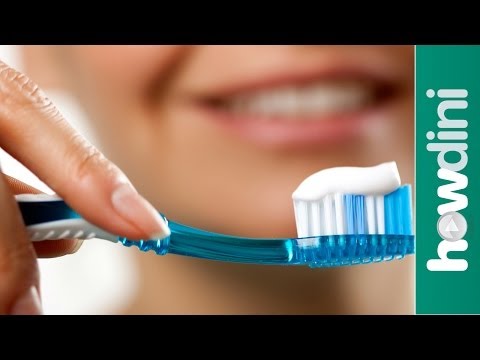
x=47 y=248
x=18 y=187
x=56 y=248
x=33 y=131
x=19 y=279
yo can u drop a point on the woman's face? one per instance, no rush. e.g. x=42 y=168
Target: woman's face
x=220 y=136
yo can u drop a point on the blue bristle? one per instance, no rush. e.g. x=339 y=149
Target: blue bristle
x=391 y=201
x=360 y=214
x=408 y=211
x=350 y=213
x=406 y=196
x=398 y=217
x=397 y=207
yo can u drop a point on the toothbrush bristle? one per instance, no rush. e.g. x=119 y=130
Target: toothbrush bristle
x=342 y=214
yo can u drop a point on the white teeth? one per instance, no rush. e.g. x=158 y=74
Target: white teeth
x=307 y=101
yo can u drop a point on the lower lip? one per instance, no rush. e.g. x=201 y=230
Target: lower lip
x=327 y=130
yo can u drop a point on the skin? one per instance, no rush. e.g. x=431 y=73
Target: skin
x=200 y=175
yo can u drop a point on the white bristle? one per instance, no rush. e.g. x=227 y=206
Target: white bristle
x=306 y=220
x=340 y=214
x=380 y=214
x=371 y=216
x=315 y=225
x=328 y=216
x=301 y=217
x=324 y=217
x=329 y=223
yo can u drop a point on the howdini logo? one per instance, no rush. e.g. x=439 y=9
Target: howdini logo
x=450 y=141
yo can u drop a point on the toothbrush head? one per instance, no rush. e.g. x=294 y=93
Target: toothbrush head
x=349 y=200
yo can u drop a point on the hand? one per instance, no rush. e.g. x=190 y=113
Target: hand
x=34 y=132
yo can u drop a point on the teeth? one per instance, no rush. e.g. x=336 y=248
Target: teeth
x=306 y=101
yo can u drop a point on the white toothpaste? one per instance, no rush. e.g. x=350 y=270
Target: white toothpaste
x=375 y=180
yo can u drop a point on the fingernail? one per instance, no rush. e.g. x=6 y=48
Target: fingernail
x=28 y=304
x=130 y=205
x=78 y=245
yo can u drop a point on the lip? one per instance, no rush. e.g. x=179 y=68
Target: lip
x=326 y=131
x=323 y=130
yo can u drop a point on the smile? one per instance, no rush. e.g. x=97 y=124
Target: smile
x=315 y=110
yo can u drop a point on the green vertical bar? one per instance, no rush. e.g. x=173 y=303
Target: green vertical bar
x=452 y=68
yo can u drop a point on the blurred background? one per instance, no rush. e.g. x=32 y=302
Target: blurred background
x=99 y=279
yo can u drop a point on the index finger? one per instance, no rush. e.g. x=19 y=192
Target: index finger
x=34 y=132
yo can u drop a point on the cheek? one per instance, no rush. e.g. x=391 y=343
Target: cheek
x=128 y=66
x=117 y=77
x=111 y=82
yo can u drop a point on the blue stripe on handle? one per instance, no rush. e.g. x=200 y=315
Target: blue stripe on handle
x=37 y=212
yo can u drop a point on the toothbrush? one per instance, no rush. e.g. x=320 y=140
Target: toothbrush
x=344 y=216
